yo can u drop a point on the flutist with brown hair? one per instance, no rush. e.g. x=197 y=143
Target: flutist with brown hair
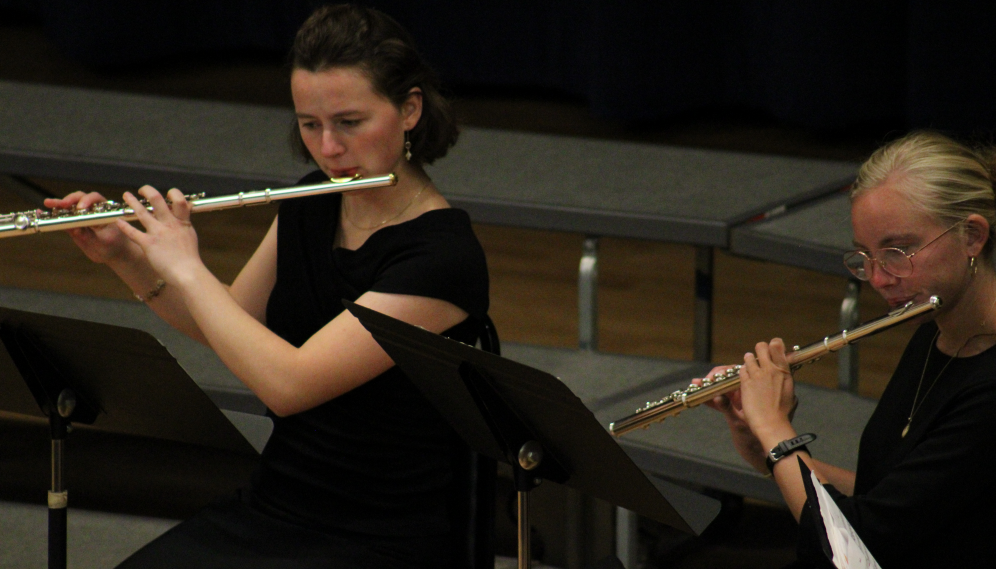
x=923 y=215
x=357 y=472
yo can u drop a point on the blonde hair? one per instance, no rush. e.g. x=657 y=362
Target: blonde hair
x=944 y=178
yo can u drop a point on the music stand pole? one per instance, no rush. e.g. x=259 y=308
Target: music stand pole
x=530 y=457
x=58 y=496
x=525 y=546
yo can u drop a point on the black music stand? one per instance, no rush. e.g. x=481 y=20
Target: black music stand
x=114 y=379
x=532 y=421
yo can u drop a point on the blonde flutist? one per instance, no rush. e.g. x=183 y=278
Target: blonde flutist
x=923 y=214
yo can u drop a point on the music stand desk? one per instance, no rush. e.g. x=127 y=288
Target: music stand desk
x=92 y=378
x=197 y=360
x=500 y=407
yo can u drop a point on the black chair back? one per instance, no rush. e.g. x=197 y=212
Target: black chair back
x=473 y=504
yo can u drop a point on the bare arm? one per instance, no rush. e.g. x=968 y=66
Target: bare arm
x=767 y=398
x=758 y=417
x=107 y=244
x=841 y=478
x=336 y=359
x=339 y=357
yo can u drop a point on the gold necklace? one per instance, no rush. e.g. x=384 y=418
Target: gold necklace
x=345 y=211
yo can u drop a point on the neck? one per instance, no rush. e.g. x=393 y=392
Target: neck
x=370 y=207
x=969 y=327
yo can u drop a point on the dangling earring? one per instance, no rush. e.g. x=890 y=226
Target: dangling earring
x=408 y=148
x=971 y=264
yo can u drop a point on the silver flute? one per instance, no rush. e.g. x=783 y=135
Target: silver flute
x=724 y=382
x=43 y=220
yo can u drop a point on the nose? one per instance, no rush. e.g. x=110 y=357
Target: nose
x=331 y=145
x=879 y=278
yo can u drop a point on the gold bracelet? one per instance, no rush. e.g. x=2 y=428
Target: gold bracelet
x=160 y=285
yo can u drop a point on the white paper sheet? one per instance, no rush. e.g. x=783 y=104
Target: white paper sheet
x=849 y=552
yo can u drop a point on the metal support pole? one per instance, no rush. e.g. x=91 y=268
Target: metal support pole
x=588 y=295
x=847 y=357
x=702 y=341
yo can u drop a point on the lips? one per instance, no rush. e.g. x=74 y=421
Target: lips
x=344 y=173
x=897 y=302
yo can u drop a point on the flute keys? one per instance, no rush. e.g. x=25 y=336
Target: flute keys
x=101 y=207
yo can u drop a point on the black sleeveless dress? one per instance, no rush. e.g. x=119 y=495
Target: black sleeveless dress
x=361 y=480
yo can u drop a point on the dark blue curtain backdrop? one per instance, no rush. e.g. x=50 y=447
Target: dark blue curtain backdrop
x=819 y=64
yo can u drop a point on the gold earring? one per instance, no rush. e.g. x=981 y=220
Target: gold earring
x=408 y=148
x=971 y=264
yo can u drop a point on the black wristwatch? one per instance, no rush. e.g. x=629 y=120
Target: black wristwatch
x=786 y=448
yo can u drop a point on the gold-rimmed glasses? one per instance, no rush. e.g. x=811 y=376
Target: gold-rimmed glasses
x=892 y=260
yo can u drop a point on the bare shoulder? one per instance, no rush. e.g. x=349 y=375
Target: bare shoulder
x=432 y=314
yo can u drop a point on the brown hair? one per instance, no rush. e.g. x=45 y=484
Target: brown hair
x=939 y=175
x=355 y=36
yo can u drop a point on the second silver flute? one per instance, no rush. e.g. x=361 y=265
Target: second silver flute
x=721 y=383
x=40 y=220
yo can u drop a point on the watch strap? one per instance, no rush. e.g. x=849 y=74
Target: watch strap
x=787 y=447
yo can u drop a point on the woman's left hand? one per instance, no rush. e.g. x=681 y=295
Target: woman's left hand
x=169 y=240
x=767 y=391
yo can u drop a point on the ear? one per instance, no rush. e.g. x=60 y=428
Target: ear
x=411 y=108
x=976 y=234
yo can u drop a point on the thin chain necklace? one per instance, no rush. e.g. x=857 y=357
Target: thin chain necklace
x=926 y=361
x=345 y=212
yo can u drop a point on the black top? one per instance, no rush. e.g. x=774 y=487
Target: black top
x=375 y=460
x=926 y=499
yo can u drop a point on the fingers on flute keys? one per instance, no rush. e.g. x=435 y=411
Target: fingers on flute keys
x=75 y=200
x=721 y=402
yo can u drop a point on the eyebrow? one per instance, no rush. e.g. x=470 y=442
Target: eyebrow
x=335 y=116
x=888 y=242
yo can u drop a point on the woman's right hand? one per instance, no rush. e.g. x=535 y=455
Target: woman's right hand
x=747 y=445
x=100 y=243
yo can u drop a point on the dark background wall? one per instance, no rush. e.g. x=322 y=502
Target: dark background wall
x=821 y=65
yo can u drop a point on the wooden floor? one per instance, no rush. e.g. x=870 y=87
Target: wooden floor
x=646 y=288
